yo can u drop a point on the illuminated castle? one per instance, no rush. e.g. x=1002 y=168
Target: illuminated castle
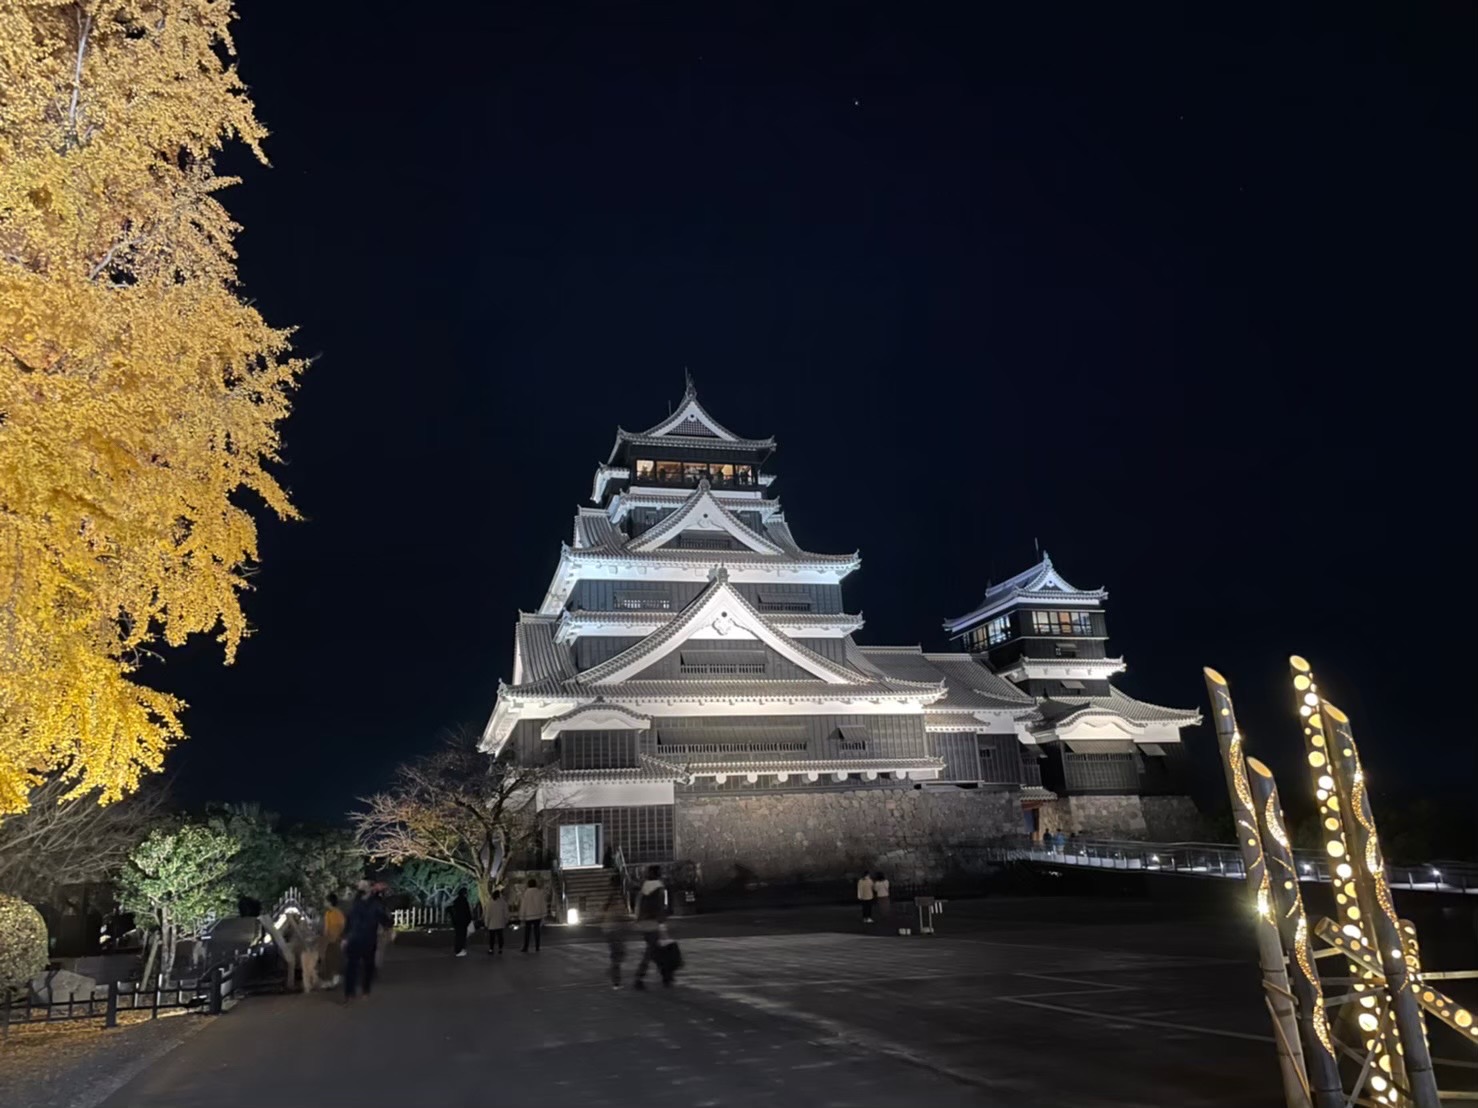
x=692 y=683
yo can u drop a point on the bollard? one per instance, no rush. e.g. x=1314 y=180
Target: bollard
x=214 y=1007
x=110 y=1013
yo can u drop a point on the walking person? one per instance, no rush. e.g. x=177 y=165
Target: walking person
x=615 y=917
x=367 y=919
x=386 y=934
x=532 y=906
x=461 y=913
x=496 y=920
x=866 y=892
x=651 y=913
x=331 y=957
x=882 y=892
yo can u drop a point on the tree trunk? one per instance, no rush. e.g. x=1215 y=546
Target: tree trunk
x=167 y=932
x=485 y=896
x=150 y=954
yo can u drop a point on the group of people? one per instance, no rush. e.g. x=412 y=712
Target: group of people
x=875 y=894
x=533 y=906
x=345 y=946
x=617 y=920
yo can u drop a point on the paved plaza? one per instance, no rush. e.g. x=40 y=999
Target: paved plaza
x=1029 y=1002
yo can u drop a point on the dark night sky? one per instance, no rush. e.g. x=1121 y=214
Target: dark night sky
x=1186 y=294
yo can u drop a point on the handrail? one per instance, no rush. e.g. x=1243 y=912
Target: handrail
x=1195 y=859
x=558 y=877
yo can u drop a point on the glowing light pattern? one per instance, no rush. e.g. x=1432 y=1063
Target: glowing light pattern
x=1335 y=843
x=1431 y=999
x=1389 y=991
x=1374 y=896
x=1254 y=865
x=1319 y=1054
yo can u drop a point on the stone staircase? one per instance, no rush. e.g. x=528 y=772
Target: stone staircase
x=586 y=890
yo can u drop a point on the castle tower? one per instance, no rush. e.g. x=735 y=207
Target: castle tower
x=1115 y=763
x=691 y=680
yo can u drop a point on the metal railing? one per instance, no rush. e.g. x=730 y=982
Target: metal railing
x=1223 y=860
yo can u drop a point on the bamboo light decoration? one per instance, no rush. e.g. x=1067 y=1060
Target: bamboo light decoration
x=1325 y=1086
x=1389 y=991
x=1431 y=999
x=1373 y=1021
x=1269 y=944
x=1374 y=897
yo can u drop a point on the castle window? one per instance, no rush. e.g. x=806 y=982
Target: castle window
x=854 y=738
x=1061 y=623
x=783 y=602
x=705 y=540
x=998 y=630
x=641 y=600
x=722 y=663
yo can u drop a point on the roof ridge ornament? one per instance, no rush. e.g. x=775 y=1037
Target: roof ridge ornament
x=720 y=573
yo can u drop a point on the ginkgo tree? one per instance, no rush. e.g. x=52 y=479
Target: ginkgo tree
x=139 y=391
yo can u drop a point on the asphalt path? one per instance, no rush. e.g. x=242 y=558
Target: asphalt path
x=1050 y=1002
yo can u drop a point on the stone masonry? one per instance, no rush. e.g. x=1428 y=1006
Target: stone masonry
x=1173 y=819
x=910 y=834
x=1160 y=819
x=1106 y=817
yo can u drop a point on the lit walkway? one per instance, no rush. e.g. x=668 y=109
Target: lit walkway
x=1220 y=860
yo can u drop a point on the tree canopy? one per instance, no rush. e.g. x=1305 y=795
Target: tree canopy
x=139 y=392
x=179 y=875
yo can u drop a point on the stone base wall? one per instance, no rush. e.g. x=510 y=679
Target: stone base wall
x=1095 y=817
x=1153 y=818
x=1173 y=819
x=913 y=835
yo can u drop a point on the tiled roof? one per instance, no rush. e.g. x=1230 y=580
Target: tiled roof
x=1041 y=581
x=779 y=531
x=969 y=684
x=651 y=769
x=689 y=426
x=675 y=498
x=703 y=499
x=793 y=624
x=593 y=530
x=1036 y=792
x=817 y=765
x=720 y=557
x=937 y=720
x=1060 y=711
x=679 y=628
x=551 y=673
x=544 y=661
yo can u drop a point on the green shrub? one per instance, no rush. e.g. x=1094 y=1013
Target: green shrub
x=22 y=942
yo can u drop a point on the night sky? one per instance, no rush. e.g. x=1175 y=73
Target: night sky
x=1185 y=295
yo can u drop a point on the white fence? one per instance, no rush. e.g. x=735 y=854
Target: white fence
x=407 y=918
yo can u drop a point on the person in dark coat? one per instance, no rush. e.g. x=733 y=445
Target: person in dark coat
x=367 y=916
x=651 y=914
x=461 y=913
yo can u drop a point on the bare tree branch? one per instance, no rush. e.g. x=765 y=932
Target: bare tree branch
x=456 y=807
x=84 y=28
x=60 y=842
